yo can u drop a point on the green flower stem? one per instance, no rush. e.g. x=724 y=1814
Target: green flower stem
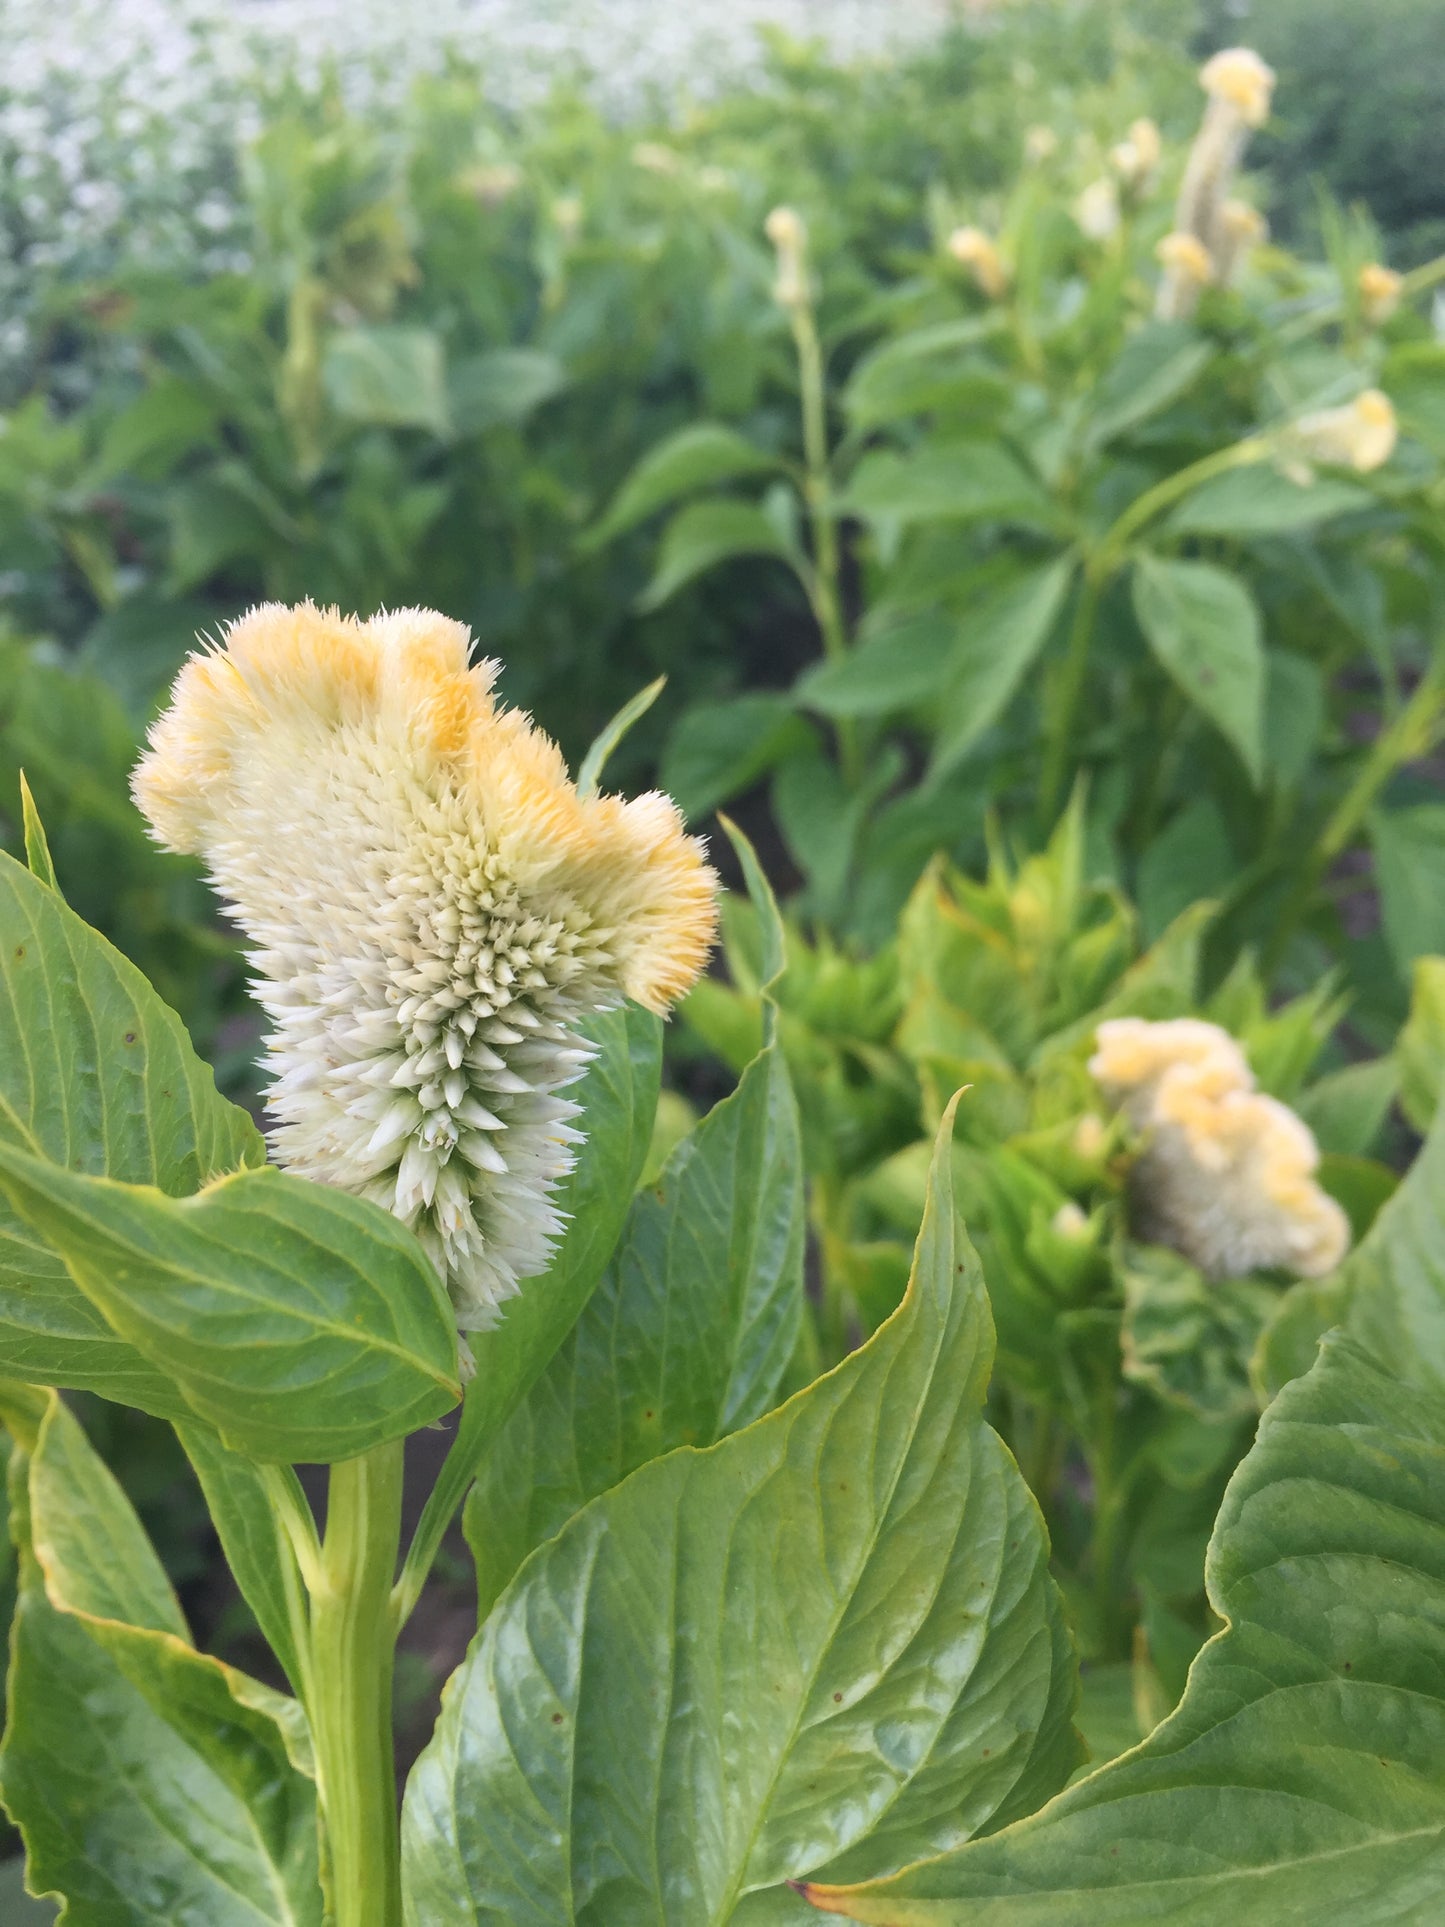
x=353 y=1642
x=825 y=586
x=1061 y=727
x=1411 y=735
x=1418 y=281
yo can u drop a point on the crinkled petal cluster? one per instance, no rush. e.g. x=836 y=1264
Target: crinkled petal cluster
x=1227 y=1174
x=432 y=909
x=1361 y=434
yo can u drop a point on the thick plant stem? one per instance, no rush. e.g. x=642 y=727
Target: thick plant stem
x=353 y=1642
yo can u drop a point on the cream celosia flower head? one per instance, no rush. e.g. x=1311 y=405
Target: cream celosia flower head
x=1361 y=435
x=432 y=909
x=1380 y=292
x=1135 y=157
x=1242 y=81
x=978 y=252
x=1186 y=255
x=1040 y=142
x=1096 y=211
x=1226 y=1176
x=786 y=230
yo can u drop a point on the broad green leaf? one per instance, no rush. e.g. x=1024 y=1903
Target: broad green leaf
x=1259 y=501
x=392 y=377
x=998 y=642
x=829 y=1642
x=1294 y=716
x=956 y=482
x=688 y=1334
x=1394 y=1281
x=153 y=1785
x=37 y=850
x=1300 y=1779
x=1346 y=1109
x=699 y=456
x=1420 y=1047
x=1154 y=368
x=1410 y=864
x=892 y=670
x=703 y=534
x=589 y=775
x=503 y=385
x=1203 y=626
x=1414 y=378
x=618 y=1100
x=99 y=1076
x=1189 y=859
x=718 y=750
x=302 y=1323
x=256 y=1553
x=923 y=370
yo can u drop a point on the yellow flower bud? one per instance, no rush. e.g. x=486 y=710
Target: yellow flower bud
x=1135 y=158
x=1039 y=143
x=1097 y=210
x=1187 y=256
x=1380 y=291
x=1361 y=435
x=656 y=158
x=978 y=252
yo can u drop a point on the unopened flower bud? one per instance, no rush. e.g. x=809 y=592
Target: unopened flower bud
x=1188 y=267
x=786 y=230
x=1380 y=291
x=1039 y=143
x=1097 y=210
x=1135 y=158
x=1240 y=228
x=978 y=252
x=1070 y=1221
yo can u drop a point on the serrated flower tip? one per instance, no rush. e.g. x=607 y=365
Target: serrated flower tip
x=432 y=909
x=1227 y=1174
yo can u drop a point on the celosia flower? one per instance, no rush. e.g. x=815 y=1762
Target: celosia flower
x=978 y=252
x=1040 y=142
x=1238 y=79
x=1135 y=158
x=492 y=185
x=1188 y=266
x=784 y=227
x=1097 y=210
x=431 y=908
x=1240 y=228
x=1380 y=291
x=656 y=158
x=1226 y=1175
x=1361 y=435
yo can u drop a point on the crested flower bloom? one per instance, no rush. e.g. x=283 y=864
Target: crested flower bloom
x=1241 y=82
x=432 y=909
x=1361 y=435
x=1380 y=291
x=1240 y=87
x=979 y=253
x=1226 y=1176
x=1241 y=229
x=788 y=233
x=1188 y=266
x=1096 y=211
x=656 y=158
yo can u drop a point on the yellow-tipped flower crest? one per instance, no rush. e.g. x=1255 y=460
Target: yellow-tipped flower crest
x=1381 y=290
x=1361 y=435
x=786 y=230
x=979 y=253
x=1227 y=1175
x=432 y=908
x=1242 y=82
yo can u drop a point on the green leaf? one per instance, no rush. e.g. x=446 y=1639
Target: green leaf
x=1394 y=1280
x=699 y=456
x=1259 y=501
x=1299 y=1779
x=618 y=1100
x=391 y=377
x=830 y=1641
x=98 y=1075
x=1294 y=716
x=718 y=750
x=1154 y=368
x=703 y=534
x=1190 y=858
x=923 y=370
x=303 y=1324
x=687 y=1336
x=501 y=387
x=1410 y=865
x=1188 y=1340
x=954 y=482
x=589 y=776
x=1420 y=1047
x=998 y=643
x=152 y=1784
x=37 y=850
x=17 y=1908
x=1204 y=628
x=890 y=671
x=1346 y=1109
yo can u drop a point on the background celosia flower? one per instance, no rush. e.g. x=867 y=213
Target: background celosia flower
x=1360 y=435
x=1240 y=87
x=1226 y=1175
x=432 y=908
x=1096 y=211
x=785 y=229
x=1380 y=292
x=1188 y=266
x=978 y=252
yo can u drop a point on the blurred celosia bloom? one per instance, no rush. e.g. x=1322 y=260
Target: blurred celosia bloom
x=1240 y=87
x=1188 y=266
x=1135 y=157
x=1241 y=229
x=1040 y=142
x=1097 y=210
x=979 y=253
x=1361 y=435
x=1380 y=292
x=784 y=227
x=1226 y=1176
x=432 y=910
